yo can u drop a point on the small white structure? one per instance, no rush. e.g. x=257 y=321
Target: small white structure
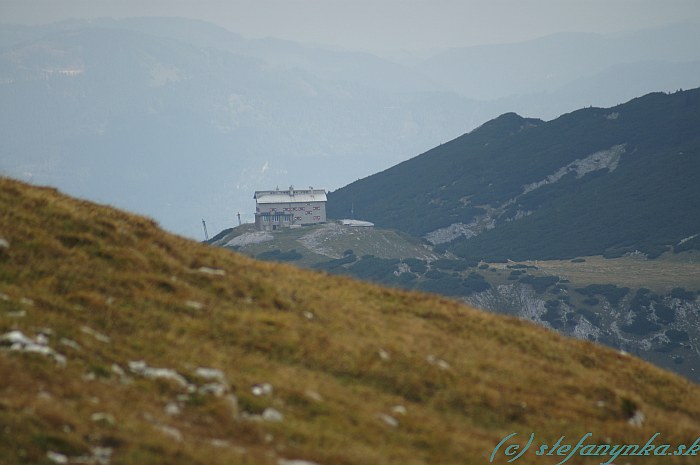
x=356 y=223
x=289 y=208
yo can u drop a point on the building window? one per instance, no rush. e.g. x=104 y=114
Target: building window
x=317 y=208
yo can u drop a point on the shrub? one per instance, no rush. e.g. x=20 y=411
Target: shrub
x=539 y=283
x=592 y=317
x=664 y=314
x=375 y=269
x=435 y=274
x=675 y=335
x=279 y=256
x=680 y=293
x=337 y=263
x=416 y=265
x=610 y=291
x=447 y=264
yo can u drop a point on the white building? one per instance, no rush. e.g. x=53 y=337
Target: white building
x=293 y=207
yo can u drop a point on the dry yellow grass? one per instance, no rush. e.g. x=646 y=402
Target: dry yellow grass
x=107 y=288
x=660 y=275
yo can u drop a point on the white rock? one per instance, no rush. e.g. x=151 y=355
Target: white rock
x=193 y=304
x=55 y=457
x=174 y=433
x=388 y=419
x=214 y=271
x=140 y=367
x=250 y=238
x=210 y=373
x=384 y=355
x=15 y=337
x=4 y=244
x=97 y=335
x=172 y=409
x=399 y=409
x=102 y=417
x=166 y=373
x=308 y=315
x=261 y=389
x=221 y=443
x=313 y=395
x=216 y=389
x=295 y=462
x=443 y=364
x=26 y=301
x=72 y=344
x=437 y=361
x=270 y=414
x=101 y=455
x=36 y=349
x=637 y=419
x=17 y=341
x=117 y=370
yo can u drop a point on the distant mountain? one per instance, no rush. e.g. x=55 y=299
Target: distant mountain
x=549 y=63
x=595 y=181
x=182 y=120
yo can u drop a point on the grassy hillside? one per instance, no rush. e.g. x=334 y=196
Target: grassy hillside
x=317 y=244
x=646 y=307
x=123 y=344
x=592 y=182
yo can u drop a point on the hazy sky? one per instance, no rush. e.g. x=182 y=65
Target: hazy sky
x=380 y=25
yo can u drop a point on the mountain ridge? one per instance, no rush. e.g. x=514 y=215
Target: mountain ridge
x=496 y=195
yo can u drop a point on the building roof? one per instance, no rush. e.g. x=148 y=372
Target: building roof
x=357 y=223
x=290 y=196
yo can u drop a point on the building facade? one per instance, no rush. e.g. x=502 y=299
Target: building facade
x=289 y=208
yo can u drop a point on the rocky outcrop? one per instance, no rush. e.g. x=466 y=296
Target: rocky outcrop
x=664 y=330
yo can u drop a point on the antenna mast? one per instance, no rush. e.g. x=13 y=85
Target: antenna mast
x=239 y=218
x=206 y=234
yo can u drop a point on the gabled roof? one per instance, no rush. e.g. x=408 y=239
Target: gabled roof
x=290 y=196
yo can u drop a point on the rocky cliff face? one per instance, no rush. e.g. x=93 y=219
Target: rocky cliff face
x=661 y=329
